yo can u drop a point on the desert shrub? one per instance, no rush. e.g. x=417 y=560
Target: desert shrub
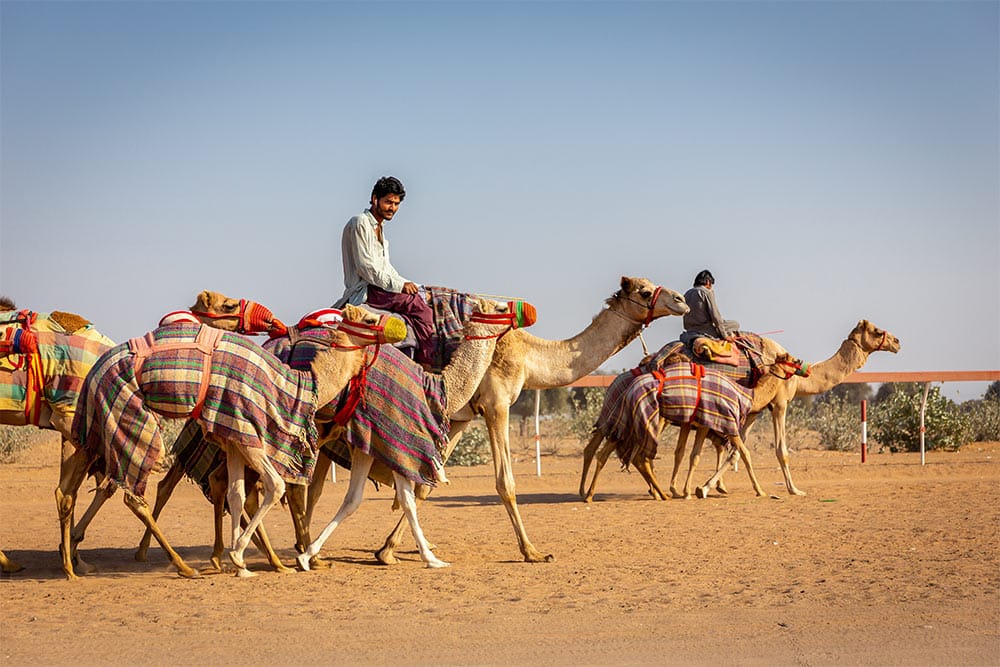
x=587 y=402
x=895 y=420
x=473 y=448
x=838 y=421
x=983 y=418
x=13 y=439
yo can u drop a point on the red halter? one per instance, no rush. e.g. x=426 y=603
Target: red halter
x=508 y=318
x=255 y=320
x=652 y=305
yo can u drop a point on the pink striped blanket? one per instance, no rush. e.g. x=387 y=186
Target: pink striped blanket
x=252 y=400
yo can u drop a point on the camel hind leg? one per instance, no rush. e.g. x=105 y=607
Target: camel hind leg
x=699 y=441
x=140 y=508
x=596 y=437
x=645 y=467
x=360 y=465
x=682 y=438
x=744 y=453
x=164 y=489
x=72 y=472
x=274 y=488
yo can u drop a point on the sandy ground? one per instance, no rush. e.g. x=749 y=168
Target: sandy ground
x=883 y=563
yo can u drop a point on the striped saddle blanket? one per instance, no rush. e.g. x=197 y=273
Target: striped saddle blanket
x=745 y=373
x=54 y=374
x=638 y=402
x=252 y=400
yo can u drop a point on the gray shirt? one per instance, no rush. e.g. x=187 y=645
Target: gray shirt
x=704 y=316
x=366 y=260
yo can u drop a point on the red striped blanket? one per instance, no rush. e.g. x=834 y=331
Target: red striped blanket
x=749 y=345
x=401 y=421
x=253 y=400
x=636 y=403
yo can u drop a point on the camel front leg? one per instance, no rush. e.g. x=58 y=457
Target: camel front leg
x=588 y=455
x=682 y=438
x=778 y=414
x=260 y=538
x=72 y=472
x=360 y=465
x=722 y=458
x=164 y=489
x=139 y=507
x=603 y=453
x=407 y=501
x=498 y=427
x=316 y=484
x=645 y=467
x=102 y=493
x=745 y=455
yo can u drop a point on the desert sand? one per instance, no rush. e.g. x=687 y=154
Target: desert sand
x=889 y=562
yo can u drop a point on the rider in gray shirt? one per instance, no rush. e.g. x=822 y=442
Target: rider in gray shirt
x=704 y=318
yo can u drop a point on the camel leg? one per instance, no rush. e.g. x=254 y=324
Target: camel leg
x=316 y=485
x=588 y=455
x=360 y=465
x=139 y=507
x=387 y=554
x=8 y=566
x=600 y=460
x=218 y=484
x=274 y=488
x=72 y=472
x=645 y=467
x=722 y=458
x=497 y=422
x=164 y=489
x=699 y=442
x=260 y=538
x=105 y=489
x=682 y=437
x=741 y=447
x=778 y=413
x=407 y=501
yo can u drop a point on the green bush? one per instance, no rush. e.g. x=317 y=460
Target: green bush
x=983 y=418
x=473 y=448
x=587 y=403
x=895 y=420
x=838 y=421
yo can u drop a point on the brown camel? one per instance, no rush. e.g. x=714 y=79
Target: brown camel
x=64 y=347
x=175 y=375
x=688 y=395
x=461 y=376
x=523 y=361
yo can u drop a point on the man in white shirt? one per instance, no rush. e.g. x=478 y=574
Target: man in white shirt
x=369 y=276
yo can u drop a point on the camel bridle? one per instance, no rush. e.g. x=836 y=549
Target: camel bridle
x=509 y=318
x=252 y=319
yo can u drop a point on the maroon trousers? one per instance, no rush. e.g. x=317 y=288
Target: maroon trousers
x=418 y=313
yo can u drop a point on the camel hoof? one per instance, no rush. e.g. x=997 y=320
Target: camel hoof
x=11 y=568
x=796 y=492
x=303 y=561
x=188 y=573
x=436 y=564
x=244 y=573
x=386 y=557
x=237 y=560
x=140 y=556
x=84 y=567
x=701 y=492
x=283 y=569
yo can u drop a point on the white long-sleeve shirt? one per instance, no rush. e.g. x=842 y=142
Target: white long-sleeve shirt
x=366 y=260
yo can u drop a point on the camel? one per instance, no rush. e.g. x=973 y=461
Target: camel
x=523 y=361
x=166 y=373
x=395 y=375
x=461 y=377
x=48 y=374
x=864 y=339
x=690 y=396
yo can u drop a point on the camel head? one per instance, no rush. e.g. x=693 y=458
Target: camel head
x=362 y=327
x=642 y=302
x=491 y=319
x=6 y=303
x=248 y=317
x=870 y=338
x=785 y=366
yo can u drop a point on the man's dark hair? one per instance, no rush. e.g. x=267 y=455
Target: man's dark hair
x=704 y=277
x=388 y=185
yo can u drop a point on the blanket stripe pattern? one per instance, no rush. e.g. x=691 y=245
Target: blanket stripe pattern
x=63 y=360
x=400 y=422
x=253 y=401
x=452 y=311
x=633 y=407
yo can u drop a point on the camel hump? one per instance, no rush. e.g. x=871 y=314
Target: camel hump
x=71 y=322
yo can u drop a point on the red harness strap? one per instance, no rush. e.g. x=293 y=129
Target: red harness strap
x=205 y=342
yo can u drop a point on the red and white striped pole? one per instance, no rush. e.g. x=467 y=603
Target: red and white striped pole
x=864 y=431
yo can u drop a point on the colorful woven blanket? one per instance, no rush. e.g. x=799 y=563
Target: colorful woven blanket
x=400 y=420
x=636 y=403
x=746 y=373
x=452 y=311
x=55 y=374
x=253 y=400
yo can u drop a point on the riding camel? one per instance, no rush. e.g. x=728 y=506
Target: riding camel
x=258 y=410
x=461 y=377
x=405 y=408
x=44 y=358
x=684 y=393
x=524 y=361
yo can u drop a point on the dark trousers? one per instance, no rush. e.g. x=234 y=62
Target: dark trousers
x=418 y=313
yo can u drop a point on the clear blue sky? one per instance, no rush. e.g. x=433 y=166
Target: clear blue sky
x=827 y=161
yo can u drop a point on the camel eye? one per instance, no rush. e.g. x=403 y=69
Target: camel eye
x=645 y=294
x=231 y=306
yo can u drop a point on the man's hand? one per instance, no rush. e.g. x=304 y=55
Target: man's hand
x=410 y=288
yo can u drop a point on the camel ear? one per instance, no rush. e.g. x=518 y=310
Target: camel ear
x=627 y=284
